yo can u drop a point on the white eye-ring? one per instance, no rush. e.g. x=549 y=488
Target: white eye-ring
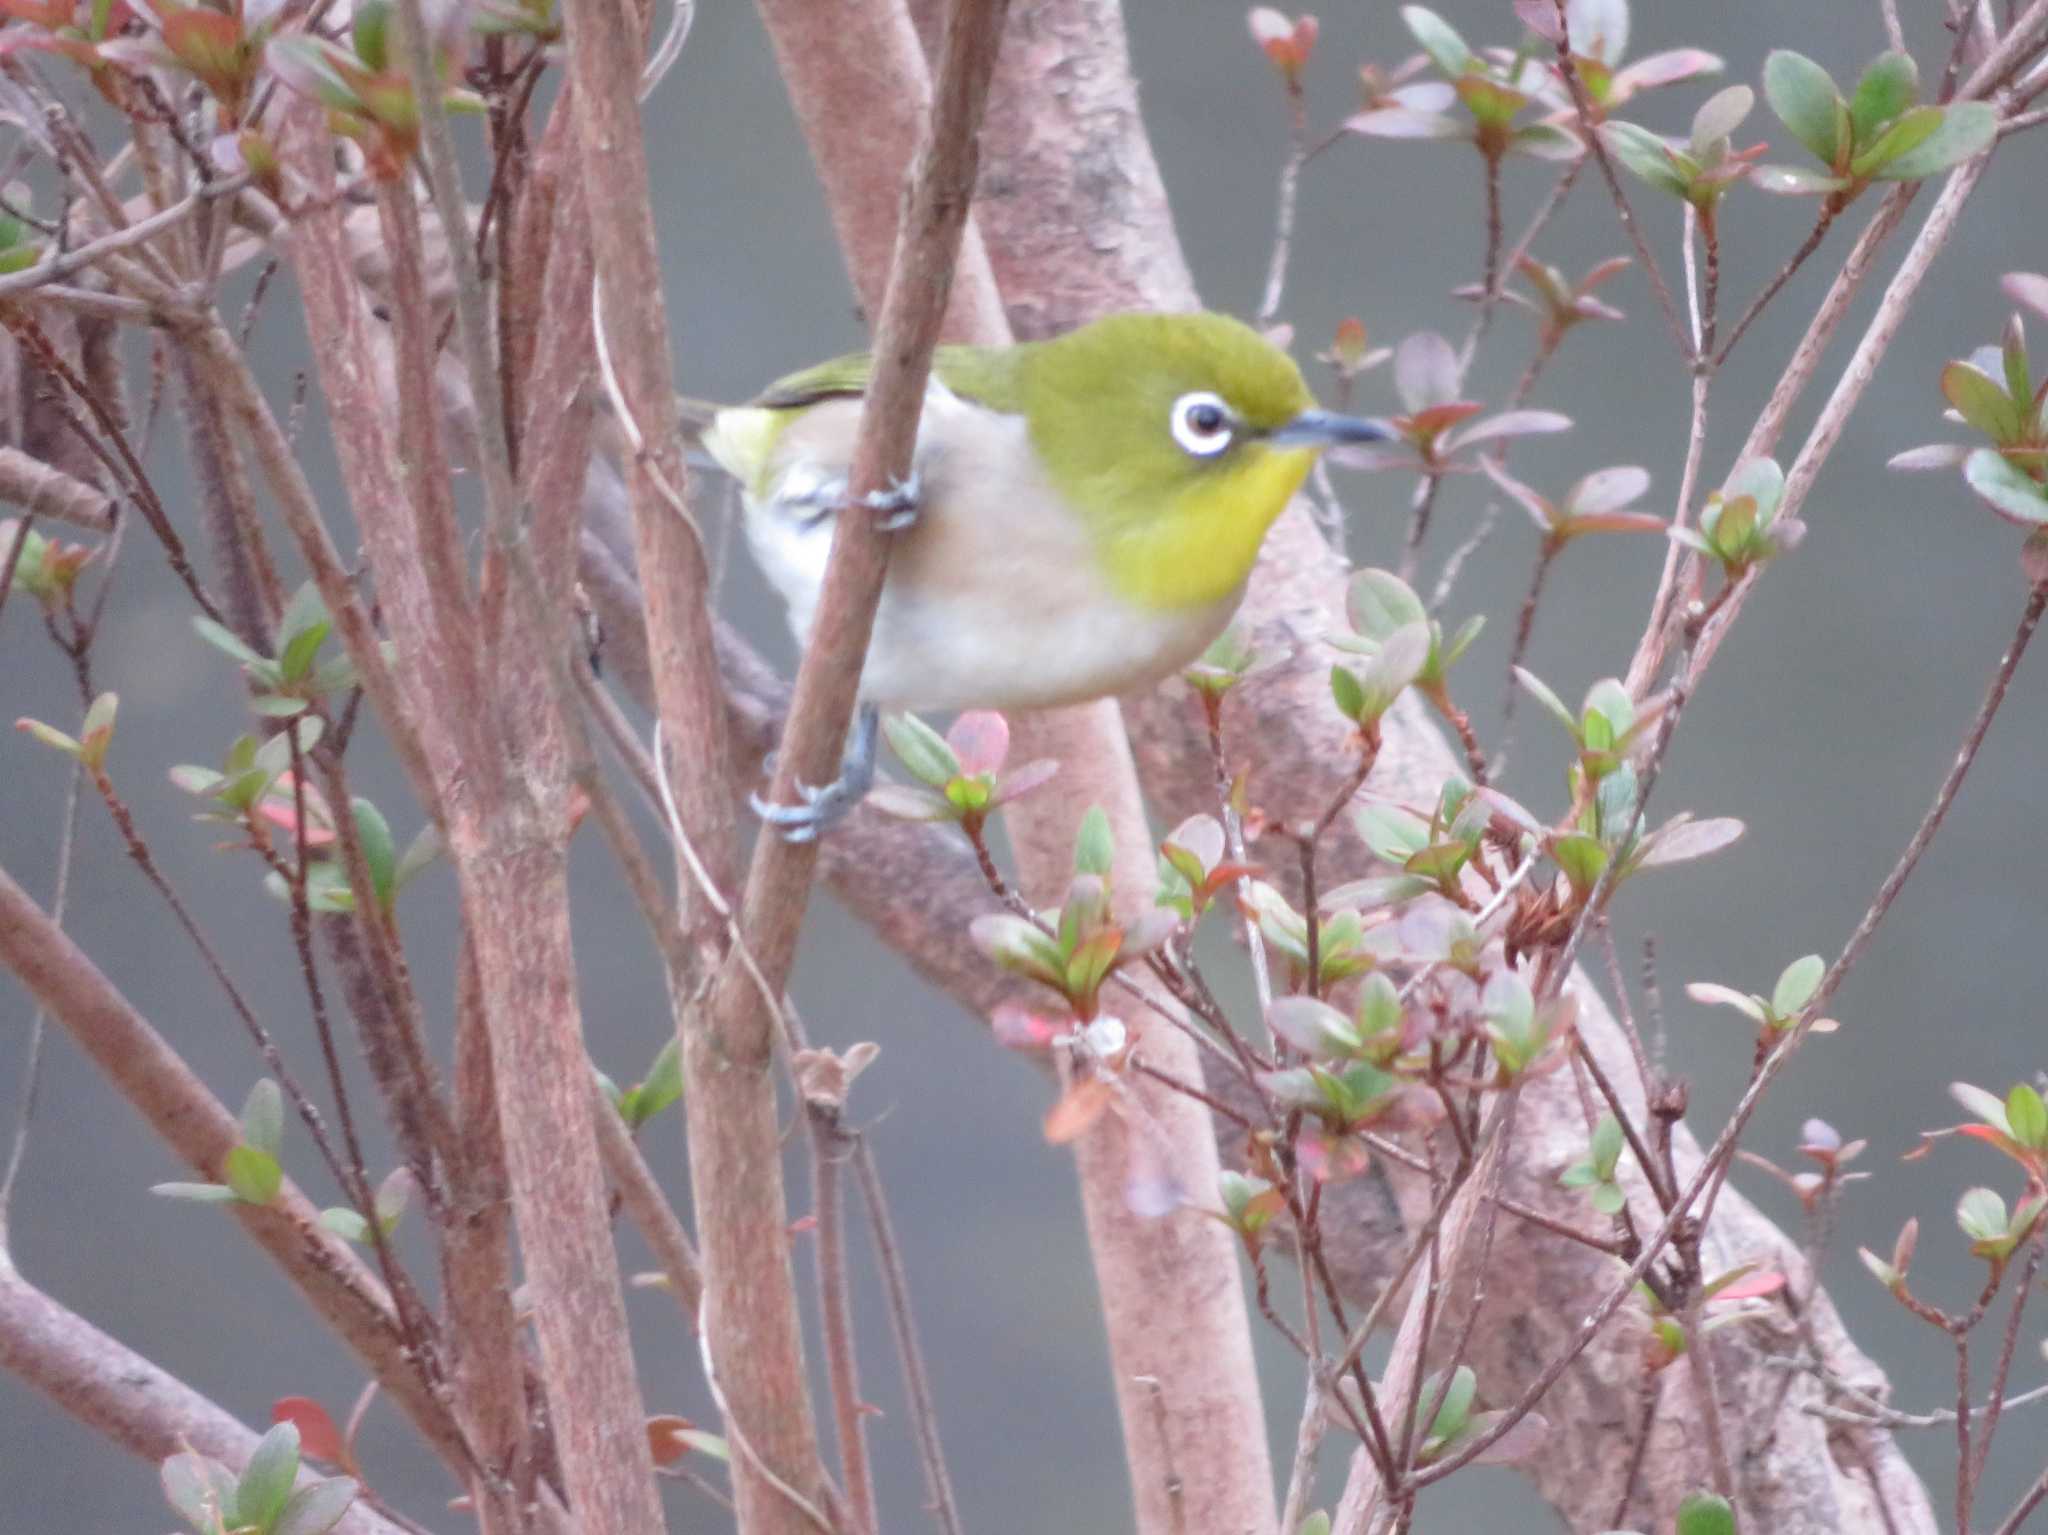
x=1202 y=423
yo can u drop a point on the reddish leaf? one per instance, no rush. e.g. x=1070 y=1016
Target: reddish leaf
x=318 y=1435
x=1018 y=1028
x=1287 y=44
x=1078 y=1109
x=666 y=1437
x=981 y=740
x=2029 y=288
x=1331 y=1158
x=38 y=13
x=1617 y=522
x=1437 y=419
x=1752 y=1286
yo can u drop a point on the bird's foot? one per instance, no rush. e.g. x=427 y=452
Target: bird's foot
x=824 y=805
x=897 y=505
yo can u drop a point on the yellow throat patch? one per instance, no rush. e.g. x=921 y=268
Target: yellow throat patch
x=1204 y=548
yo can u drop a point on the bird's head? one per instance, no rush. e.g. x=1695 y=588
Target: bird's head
x=1178 y=438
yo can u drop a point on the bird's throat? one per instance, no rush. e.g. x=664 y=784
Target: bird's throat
x=1205 y=549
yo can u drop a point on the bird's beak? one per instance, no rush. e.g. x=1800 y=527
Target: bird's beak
x=1324 y=429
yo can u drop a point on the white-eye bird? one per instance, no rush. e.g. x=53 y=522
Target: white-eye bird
x=1082 y=516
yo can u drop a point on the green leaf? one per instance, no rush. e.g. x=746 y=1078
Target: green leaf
x=1379 y=1008
x=1346 y=689
x=1313 y=1027
x=297 y=658
x=1439 y=39
x=1317 y=1523
x=267 y=1479
x=301 y=631
x=663 y=1085
x=1796 y=985
x=274 y=756
x=1889 y=86
x=1981 y=1215
x=1460 y=642
x=1885 y=1274
x=1605 y=1149
x=263 y=1118
x=1609 y=1198
x=2007 y=489
x=419 y=853
x=1457 y=1403
x=1095 y=847
x=316 y=1508
x=1967 y=130
x=392 y=1196
x=346 y=1224
x=1582 y=859
x=1546 y=141
x=1982 y=401
x=1539 y=690
x=1713 y=994
x=1796 y=181
x=225 y=640
x=200 y=1489
x=921 y=749
x=1609 y=700
x=195 y=1193
x=1805 y=100
x=48 y=735
x=1719 y=116
x=2013 y=361
x=379 y=851
x=1378 y=602
x=1902 y=137
x=2027 y=1116
x=1702 y=1513
x=1402 y=658
x=96 y=733
x=1019 y=946
x=1647 y=156
x=1395 y=835
x=1988 y=1107
x=254 y=1175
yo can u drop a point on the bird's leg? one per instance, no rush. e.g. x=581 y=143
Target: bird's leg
x=896 y=506
x=824 y=804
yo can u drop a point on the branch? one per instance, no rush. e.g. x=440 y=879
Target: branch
x=155 y=1080
x=124 y=1396
x=730 y=1106
x=43 y=490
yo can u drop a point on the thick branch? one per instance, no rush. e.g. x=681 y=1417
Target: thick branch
x=155 y=1080
x=121 y=1394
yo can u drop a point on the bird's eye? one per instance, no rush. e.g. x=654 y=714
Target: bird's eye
x=1202 y=424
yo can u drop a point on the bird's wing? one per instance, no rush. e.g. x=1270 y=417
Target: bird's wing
x=745 y=439
x=991 y=376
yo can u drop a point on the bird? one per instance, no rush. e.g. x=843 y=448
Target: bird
x=1080 y=519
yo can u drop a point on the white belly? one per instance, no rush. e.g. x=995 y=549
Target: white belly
x=994 y=598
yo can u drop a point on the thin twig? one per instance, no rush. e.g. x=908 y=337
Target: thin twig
x=1828 y=209
x=32 y=1066
x=1283 y=220
x=830 y=1147
x=924 y=1418
x=1568 y=67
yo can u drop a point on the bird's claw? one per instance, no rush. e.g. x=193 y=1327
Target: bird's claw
x=823 y=807
x=896 y=505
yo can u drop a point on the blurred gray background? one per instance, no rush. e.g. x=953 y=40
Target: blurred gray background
x=1826 y=725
